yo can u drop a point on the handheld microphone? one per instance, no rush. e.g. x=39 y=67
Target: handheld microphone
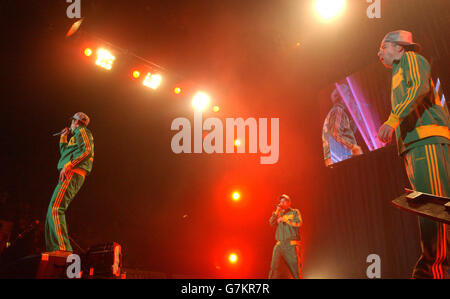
x=60 y=133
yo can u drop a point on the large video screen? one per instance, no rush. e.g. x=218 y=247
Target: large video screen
x=352 y=110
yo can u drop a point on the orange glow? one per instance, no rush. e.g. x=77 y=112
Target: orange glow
x=88 y=52
x=177 y=90
x=136 y=74
x=236 y=196
x=237 y=142
x=216 y=108
x=233 y=258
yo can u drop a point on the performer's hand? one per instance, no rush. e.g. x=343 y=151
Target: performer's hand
x=280 y=219
x=279 y=209
x=64 y=174
x=385 y=133
x=65 y=132
x=356 y=150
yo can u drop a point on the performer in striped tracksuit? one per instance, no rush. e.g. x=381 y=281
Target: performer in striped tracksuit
x=287 y=248
x=338 y=133
x=75 y=164
x=422 y=129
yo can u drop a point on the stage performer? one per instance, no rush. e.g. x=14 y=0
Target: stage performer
x=422 y=129
x=77 y=157
x=287 y=247
x=338 y=133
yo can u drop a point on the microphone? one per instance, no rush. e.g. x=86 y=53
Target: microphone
x=60 y=133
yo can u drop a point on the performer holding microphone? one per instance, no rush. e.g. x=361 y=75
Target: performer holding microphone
x=287 y=248
x=77 y=157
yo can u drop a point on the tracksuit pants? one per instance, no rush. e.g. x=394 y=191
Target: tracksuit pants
x=286 y=253
x=56 y=234
x=428 y=169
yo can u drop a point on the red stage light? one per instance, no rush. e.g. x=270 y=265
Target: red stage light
x=233 y=258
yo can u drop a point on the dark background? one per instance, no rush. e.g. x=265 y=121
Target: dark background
x=245 y=54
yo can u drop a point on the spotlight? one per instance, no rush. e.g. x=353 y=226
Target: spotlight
x=136 y=74
x=105 y=59
x=200 y=101
x=329 y=9
x=236 y=196
x=237 y=142
x=177 y=90
x=216 y=108
x=152 y=81
x=233 y=258
x=88 y=52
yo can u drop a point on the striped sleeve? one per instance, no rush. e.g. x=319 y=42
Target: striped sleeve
x=62 y=143
x=416 y=74
x=325 y=143
x=340 y=122
x=84 y=147
x=295 y=221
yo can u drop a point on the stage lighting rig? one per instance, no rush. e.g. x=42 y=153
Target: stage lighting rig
x=152 y=80
x=105 y=59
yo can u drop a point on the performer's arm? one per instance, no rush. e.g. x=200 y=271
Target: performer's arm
x=62 y=143
x=341 y=122
x=63 y=140
x=85 y=148
x=326 y=149
x=416 y=72
x=273 y=219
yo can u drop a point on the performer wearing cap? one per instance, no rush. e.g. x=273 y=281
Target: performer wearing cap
x=287 y=247
x=422 y=129
x=77 y=157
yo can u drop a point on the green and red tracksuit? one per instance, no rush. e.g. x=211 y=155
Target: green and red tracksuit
x=78 y=157
x=422 y=129
x=287 y=248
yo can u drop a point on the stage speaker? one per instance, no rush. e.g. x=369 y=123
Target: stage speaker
x=51 y=267
x=104 y=261
x=41 y=266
